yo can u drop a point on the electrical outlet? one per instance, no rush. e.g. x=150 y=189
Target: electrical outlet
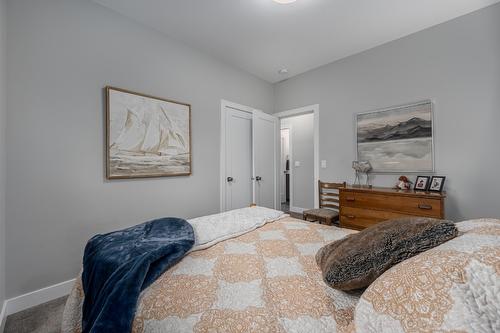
x=323 y=164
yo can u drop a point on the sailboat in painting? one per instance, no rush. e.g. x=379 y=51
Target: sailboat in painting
x=156 y=135
x=148 y=141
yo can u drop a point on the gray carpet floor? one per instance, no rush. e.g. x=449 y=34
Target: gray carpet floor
x=285 y=207
x=44 y=318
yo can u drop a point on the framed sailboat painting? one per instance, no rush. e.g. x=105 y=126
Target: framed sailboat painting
x=146 y=136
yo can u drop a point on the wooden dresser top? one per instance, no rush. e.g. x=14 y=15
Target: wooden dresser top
x=393 y=191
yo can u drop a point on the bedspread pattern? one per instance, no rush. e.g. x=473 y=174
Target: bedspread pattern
x=264 y=281
x=454 y=287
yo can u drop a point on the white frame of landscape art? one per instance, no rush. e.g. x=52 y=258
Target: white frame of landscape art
x=163 y=150
x=403 y=107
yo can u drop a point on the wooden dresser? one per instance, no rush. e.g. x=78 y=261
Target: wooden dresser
x=364 y=207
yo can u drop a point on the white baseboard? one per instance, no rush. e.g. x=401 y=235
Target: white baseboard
x=37 y=297
x=297 y=209
x=3 y=316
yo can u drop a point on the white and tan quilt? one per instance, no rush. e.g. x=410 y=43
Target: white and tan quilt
x=265 y=280
x=454 y=287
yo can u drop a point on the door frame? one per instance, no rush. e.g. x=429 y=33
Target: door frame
x=289 y=127
x=281 y=174
x=314 y=109
x=222 y=162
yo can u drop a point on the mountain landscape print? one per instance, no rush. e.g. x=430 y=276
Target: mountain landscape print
x=397 y=139
x=146 y=136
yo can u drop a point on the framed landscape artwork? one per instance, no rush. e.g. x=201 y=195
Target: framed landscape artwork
x=398 y=139
x=146 y=136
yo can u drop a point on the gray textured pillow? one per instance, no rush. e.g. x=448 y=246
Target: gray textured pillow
x=355 y=261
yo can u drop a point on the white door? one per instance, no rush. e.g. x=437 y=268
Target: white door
x=265 y=143
x=238 y=164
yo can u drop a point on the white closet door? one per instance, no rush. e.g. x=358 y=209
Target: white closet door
x=265 y=142
x=239 y=187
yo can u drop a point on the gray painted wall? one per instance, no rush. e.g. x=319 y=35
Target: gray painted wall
x=302 y=147
x=3 y=114
x=60 y=56
x=457 y=64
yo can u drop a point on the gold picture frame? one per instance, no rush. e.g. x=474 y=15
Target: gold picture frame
x=146 y=136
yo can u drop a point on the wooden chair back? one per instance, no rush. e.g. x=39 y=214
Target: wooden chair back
x=329 y=195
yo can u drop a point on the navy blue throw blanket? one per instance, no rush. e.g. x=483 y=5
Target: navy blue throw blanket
x=119 y=265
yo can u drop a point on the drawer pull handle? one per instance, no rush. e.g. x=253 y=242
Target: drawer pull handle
x=423 y=206
x=350 y=199
x=351 y=217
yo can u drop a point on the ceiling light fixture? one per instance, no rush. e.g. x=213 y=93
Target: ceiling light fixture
x=284 y=2
x=283 y=71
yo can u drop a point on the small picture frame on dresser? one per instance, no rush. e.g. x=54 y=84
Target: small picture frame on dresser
x=437 y=184
x=421 y=183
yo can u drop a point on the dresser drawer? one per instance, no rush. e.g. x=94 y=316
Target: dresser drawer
x=399 y=204
x=359 y=218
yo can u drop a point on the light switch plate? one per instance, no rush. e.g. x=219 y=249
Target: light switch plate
x=297 y=163
x=323 y=164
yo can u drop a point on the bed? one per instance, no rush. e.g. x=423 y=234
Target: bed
x=266 y=280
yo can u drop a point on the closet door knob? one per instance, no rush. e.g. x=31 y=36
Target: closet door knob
x=229 y=179
x=258 y=178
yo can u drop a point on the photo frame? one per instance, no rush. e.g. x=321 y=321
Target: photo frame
x=436 y=184
x=398 y=139
x=421 y=183
x=146 y=136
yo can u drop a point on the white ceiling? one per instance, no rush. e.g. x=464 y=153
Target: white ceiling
x=261 y=36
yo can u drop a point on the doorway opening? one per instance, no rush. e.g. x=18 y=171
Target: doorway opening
x=285 y=170
x=299 y=165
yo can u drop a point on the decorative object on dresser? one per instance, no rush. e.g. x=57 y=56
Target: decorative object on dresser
x=361 y=207
x=397 y=139
x=436 y=184
x=403 y=183
x=329 y=201
x=146 y=136
x=422 y=183
x=361 y=167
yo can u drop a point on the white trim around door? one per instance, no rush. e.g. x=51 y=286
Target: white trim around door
x=289 y=127
x=299 y=111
